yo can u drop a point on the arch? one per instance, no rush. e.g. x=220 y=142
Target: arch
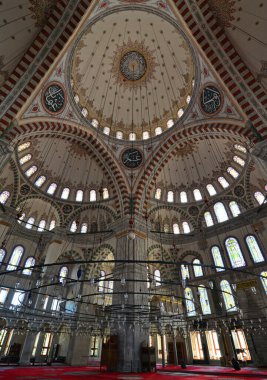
x=15 y=257
x=198 y=271
x=217 y=258
x=228 y=297
x=30 y=262
x=220 y=212
x=235 y=210
x=204 y=300
x=234 y=252
x=254 y=249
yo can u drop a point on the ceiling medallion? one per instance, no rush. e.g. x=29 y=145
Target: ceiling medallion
x=54 y=98
x=133 y=65
x=132 y=158
x=211 y=99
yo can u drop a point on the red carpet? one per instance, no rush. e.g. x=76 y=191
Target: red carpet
x=89 y=373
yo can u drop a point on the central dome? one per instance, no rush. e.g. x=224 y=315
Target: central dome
x=132 y=74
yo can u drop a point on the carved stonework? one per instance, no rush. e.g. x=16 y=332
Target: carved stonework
x=42 y=10
x=223 y=10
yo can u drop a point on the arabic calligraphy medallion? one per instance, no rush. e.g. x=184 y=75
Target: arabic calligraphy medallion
x=54 y=98
x=133 y=65
x=211 y=100
x=131 y=158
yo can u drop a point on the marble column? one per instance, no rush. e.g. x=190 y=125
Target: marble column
x=128 y=294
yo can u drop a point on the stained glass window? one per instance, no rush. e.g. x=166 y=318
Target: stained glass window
x=30 y=223
x=73 y=227
x=24 y=146
x=170 y=196
x=79 y=196
x=235 y=210
x=63 y=273
x=211 y=189
x=157 y=277
x=239 y=160
x=31 y=171
x=220 y=212
x=65 y=193
x=208 y=219
x=119 y=135
x=40 y=181
x=158 y=193
x=84 y=228
x=223 y=182
x=264 y=280
x=41 y=225
x=52 y=188
x=197 y=268
x=204 y=300
x=101 y=281
x=183 y=197
x=254 y=249
x=186 y=227
x=240 y=148
x=217 y=258
x=180 y=112
x=234 y=253
x=190 y=306
x=52 y=225
x=145 y=135
x=184 y=271
x=228 y=297
x=25 y=159
x=132 y=136
x=30 y=262
x=197 y=195
x=15 y=257
x=166 y=227
x=105 y=193
x=158 y=131
x=95 y=123
x=20 y=219
x=106 y=130
x=92 y=196
x=260 y=198
x=84 y=112
x=234 y=173
x=170 y=123
x=2 y=255
x=4 y=197
x=176 y=229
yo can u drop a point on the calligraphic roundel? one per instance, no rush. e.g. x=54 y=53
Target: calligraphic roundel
x=211 y=99
x=132 y=158
x=54 y=98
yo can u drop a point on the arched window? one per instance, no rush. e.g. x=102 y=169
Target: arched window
x=217 y=258
x=24 y=146
x=211 y=189
x=176 y=229
x=234 y=173
x=264 y=281
x=170 y=196
x=145 y=135
x=197 y=268
x=95 y=123
x=228 y=297
x=65 y=193
x=235 y=210
x=170 y=123
x=197 y=195
x=20 y=219
x=239 y=160
x=105 y=193
x=254 y=249
x=25 y=159
x=2 y=255
x=204 y=300
x=40 y=181
x=189 y=300
x=15 y=257
x=180 y=112
x=79 y=196
x=158 y=193
x=184 y=271
x=101 y=282
x=84 y=228
x=222 y=181
x=119 y=135
x=186 y=227
x=84 y=112
x=220 y=212
x=76 y=98
x=208 y=219
x=234 y=253
x=4 y=197
x=260 y=198
x=110 y=286
x=166 y=227
x=240 y=148
x=157 y=277
x=30 y=223
x=92 y=196
x=52 y=225
x=188 y=98
x=132 y=136
x=30 y=262
x=41 y=225
x=183 y=197
x=52 y=188
x=31 y=171
x=73 y=227
x=158 y=131
x=63 y=274
x=106 y=131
